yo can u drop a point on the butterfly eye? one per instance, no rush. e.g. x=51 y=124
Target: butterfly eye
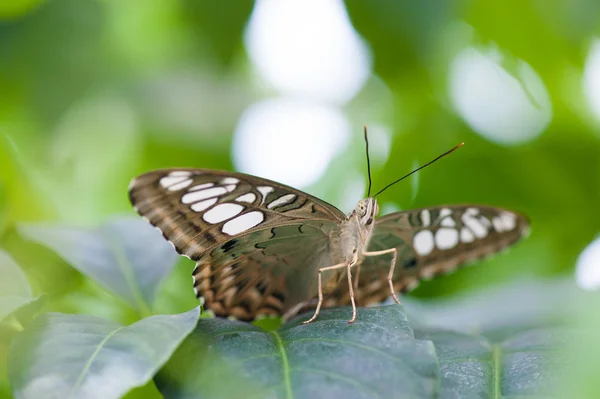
x=361 y=208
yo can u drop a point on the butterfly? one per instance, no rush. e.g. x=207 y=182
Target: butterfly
x=263 y=248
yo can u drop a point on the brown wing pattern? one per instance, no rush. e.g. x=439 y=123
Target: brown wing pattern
x=265 y=272
x=257 y=243
x=196 y=209
x=430 y=242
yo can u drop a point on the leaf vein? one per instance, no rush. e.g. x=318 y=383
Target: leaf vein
x=284 y=363
x=496 y=353
x=340 y=377
x=88 y=364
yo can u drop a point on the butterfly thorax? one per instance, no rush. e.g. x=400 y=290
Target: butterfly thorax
x=355 y=232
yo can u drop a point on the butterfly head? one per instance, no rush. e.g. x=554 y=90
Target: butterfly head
x=366 y=210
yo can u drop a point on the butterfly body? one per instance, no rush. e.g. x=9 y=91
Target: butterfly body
x=263 y=248
x=354 y=233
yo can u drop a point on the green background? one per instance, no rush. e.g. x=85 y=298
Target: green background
x=80 y=115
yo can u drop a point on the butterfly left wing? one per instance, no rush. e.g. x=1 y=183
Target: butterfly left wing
x=196 y=209
x=430 y=242
x=258 y=244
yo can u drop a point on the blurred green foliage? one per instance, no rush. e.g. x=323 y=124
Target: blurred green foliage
x=86 y=103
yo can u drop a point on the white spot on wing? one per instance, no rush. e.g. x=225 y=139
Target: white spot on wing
x=264 y=191
x=230 y=180
x=446 y=218
x=249 y=197
x=470 y=220
x=202 y=205
x=445 y=212
x=423 y=242
x=425 y=217
x=485 y=222
x=505 y=222
x=230 y=187
x=195 y=196
x=448 y=222
x=243 y=223
x=179 y=186
x=222 y=212
x=510 y=221
x=185 y=173
x=200 y=186
x=466 y=236
x=446 y=238
x=284 y=199
x=170 y=180
x=498 y=224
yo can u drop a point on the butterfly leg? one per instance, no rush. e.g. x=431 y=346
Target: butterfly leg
x=321 y=270
x=356 y=277
x=394 y=253
x=293 y=311
x=351 y=289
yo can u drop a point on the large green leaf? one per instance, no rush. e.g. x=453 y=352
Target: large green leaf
x=127 y=256
x=511 y=341
x=377 y=356
x=79 y=356
x=497 y=347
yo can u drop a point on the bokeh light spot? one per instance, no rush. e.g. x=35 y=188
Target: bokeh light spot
x=587 y=272
x=496 y=104
x=289 y=140
x=308 y=47
x=352 y=190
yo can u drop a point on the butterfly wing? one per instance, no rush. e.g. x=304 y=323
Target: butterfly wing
x=257 y=243
x=430 y=242
x=197 y=209
x=265 y=272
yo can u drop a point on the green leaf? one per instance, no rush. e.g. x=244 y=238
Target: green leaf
x=520 y=364
x=505 y=342
x=13 y=281
x=127 y=256
x=15 y=293
x=495 y=311
x=79 y=356
x=22 y=308
x=377 y=356
x=508 y=342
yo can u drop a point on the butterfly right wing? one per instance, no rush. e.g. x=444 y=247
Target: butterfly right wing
x=430 y=242
x=265 y=272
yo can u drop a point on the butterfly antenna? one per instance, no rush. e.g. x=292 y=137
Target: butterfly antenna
x=419 y=168
x=368 y=162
